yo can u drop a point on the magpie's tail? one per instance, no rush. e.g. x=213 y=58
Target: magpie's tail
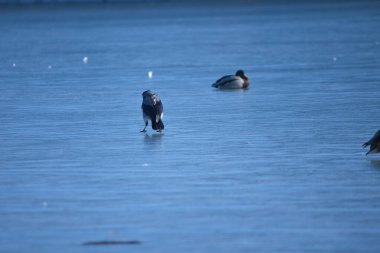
x=158 y=125
x=373 y=150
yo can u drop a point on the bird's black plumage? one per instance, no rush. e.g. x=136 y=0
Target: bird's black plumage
x=153 y=110
x=374 y=143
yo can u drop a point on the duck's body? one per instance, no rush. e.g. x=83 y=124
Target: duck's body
x=153 y=110
x=374 y=143
x=237 y=81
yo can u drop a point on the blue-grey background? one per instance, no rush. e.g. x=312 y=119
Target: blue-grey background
x=276 y=168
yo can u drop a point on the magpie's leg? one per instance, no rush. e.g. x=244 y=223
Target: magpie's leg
x=144 y=130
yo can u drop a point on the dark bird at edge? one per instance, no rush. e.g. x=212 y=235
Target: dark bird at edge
x=152 y=110
x=374 y=143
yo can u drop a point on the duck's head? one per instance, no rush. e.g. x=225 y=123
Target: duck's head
x=241 y=74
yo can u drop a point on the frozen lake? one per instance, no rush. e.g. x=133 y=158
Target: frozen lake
x=276 y=168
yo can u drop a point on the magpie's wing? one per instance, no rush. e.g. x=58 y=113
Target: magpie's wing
x=159 y=110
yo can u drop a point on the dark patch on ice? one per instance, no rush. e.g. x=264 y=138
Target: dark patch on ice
x=375 y=163
x=107 y=243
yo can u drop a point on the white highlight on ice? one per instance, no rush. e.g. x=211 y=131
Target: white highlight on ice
x=49 y=67
x=145 y=164
x=335 y=59
x=44 y=203
x=85 y=60
x=150 y=74
x=14 y=65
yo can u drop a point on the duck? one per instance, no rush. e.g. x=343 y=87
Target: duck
x=152 y=110
x=374 y=143
x=237 y=81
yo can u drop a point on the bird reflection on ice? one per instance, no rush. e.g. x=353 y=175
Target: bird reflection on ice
x=376 y=163
x=153 y=138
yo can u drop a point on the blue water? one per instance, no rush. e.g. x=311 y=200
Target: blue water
x=276 y=168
